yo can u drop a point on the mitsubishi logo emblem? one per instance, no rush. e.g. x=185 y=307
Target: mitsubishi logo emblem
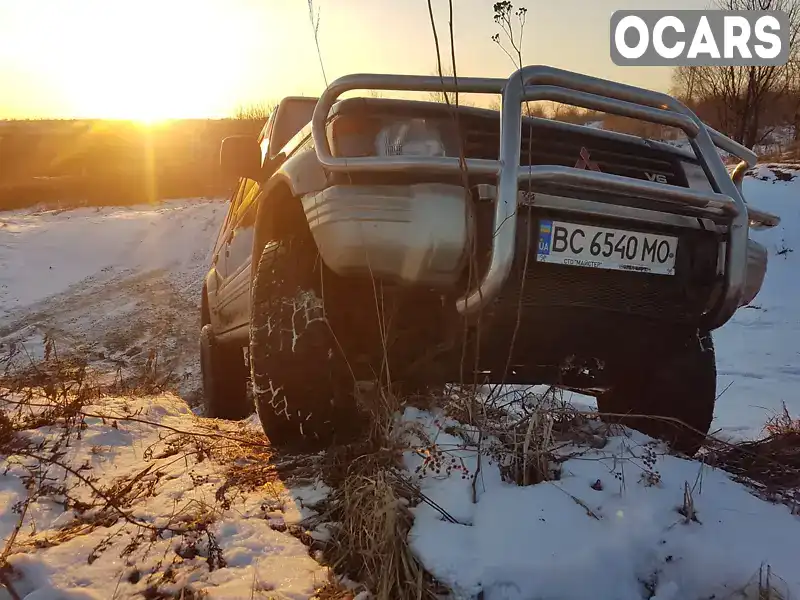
x=585 y=162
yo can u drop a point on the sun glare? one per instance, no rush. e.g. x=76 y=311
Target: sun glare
x=148 y=61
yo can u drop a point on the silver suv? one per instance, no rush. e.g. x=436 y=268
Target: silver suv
x=419 y=243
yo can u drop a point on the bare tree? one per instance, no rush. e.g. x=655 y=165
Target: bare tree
x=684 y=84
x=794 y=96
x=739 y=100
x=445 y=97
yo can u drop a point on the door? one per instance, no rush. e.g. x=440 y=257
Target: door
x=216 y=276
x=235 y=259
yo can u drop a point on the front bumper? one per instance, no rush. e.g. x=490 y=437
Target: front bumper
x=724 y=206
x=408 y=234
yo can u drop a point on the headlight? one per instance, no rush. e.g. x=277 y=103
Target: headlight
x=369 y=135
x=413 y=137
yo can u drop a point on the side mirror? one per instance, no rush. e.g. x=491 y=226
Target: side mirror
x=240 y=156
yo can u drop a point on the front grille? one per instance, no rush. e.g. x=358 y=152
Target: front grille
x=543 y=145
x=652 y=296
x=679 y=298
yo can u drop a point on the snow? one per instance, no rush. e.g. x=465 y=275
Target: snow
x=566 y=539
x=110 y=283
x=777 y=141
x=758 y=351
x=45 y=253
x=114 y=281
x=255 y=556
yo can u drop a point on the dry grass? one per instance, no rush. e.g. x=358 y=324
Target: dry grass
x=770 y=465
x=369 y=504
x=257 y=111
x=368 y=511
x=335 y=590
x=783 y=423
x=789 y=151
x=528 y=435
x=63 y=396
x=764 y=585
x=371 y=543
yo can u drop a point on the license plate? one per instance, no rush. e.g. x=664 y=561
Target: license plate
x=604 y=248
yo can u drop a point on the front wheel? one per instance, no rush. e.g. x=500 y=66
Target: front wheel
x=302 y=386
x=681 y=387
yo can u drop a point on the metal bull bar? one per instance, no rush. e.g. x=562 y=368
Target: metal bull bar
x=538 y=82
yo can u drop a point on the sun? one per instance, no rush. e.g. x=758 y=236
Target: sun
x=149 y=119
x=150 y=61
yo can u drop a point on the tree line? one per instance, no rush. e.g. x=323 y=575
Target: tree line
x=750 y=104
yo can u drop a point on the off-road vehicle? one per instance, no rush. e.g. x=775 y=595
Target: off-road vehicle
x=420 y=243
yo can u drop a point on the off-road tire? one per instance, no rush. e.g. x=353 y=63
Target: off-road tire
x=682 y=386
x=302 y=387
x=224 y=379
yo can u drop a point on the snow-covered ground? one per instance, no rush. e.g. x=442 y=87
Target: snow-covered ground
x=45 y=253
x=758 y=351
x=113 y=283
x=119 y=283
x=241 y=551
x=610 y=527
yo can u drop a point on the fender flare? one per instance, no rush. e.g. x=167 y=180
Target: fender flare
x=279 y=205
x=278 y=209
x=301 y=172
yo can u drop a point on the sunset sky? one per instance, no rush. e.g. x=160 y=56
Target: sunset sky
x=151 y=59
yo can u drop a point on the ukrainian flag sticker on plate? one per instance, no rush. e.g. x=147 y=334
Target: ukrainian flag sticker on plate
x=545 y=234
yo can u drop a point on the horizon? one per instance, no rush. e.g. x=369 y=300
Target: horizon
x=151 y=61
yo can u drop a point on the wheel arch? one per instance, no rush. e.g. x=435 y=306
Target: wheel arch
x=279 y=209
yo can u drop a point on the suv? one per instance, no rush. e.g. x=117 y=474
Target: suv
x=419 y=243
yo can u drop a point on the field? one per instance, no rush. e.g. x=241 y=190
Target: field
x=114 y=486
x=74 y=163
